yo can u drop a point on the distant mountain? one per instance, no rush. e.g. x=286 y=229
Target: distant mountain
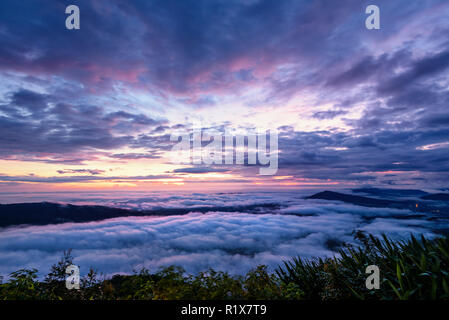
x=437 y=197
x=413 y=205
x=358 y=200
x=44 y=213
x=391 y=192
x=50 y=213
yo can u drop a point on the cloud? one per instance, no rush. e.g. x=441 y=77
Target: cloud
x=329 y=114
x=200 y=170
x=86 y=178
x=90 y=171
x=64 y=130
x=193 y=46
x=133 y=155
x=418 y=69
x=232 y=241
x=356 y=102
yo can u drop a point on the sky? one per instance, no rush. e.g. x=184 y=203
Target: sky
x=94 y=108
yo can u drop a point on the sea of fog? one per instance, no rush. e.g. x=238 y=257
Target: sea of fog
x=233 y=241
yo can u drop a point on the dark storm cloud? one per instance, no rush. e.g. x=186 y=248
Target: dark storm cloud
x=85 y=178
x=90 y=171
x=199 y=46
x=199 y=170
x=176 y=45
x=391 y=132
x=323 y=155
x=134 y=155
x=34 y=125
x=329 y=114
x=419 y=69
x=411 y=88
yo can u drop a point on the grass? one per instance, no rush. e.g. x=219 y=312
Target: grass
x=413 y=269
